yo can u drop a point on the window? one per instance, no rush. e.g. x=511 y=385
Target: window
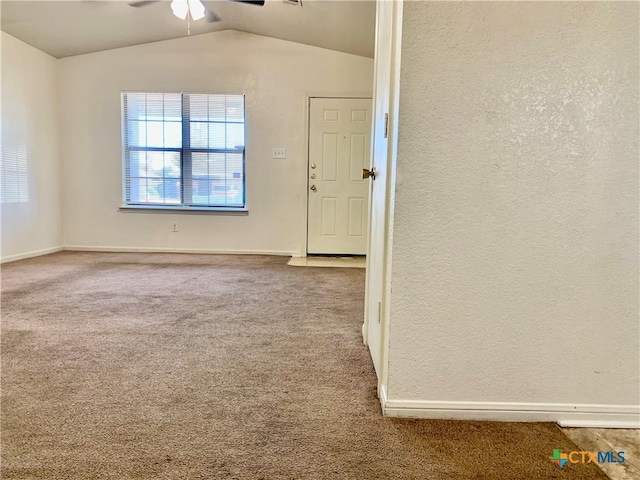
x=14 y=172
x=14 y=184
x=183 y=150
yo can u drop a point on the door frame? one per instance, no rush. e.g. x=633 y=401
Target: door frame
x=307 y=125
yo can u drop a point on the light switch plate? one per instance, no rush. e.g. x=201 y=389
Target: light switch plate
x=279 y=153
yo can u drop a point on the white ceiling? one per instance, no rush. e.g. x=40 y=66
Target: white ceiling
x=66 y=28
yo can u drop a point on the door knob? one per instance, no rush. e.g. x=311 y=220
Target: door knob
x=313 y=165
x=369 y=173
x=313 y=187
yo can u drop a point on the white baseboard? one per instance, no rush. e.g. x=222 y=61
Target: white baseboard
x=382 y=396
x=86 y=248
x=34 y=253
x=610 y=423
x=579 y=415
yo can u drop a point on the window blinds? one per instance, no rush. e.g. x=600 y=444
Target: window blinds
x=183 y=149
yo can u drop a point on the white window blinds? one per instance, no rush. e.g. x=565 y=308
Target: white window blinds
x=183 y=149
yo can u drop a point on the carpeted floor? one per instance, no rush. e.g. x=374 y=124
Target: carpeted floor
x=154 y=366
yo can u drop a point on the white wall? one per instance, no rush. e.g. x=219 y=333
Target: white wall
x=31 y=217
x=275 y=75
x=515 y=259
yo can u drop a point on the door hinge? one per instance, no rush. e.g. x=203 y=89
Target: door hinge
x=379 y=311
x=386 y=124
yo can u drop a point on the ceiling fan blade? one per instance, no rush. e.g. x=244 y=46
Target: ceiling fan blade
x=142 y=3
x=211 y=16
x=258 y=3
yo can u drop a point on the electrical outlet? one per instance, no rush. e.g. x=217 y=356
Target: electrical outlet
x=279 y=153
x=174 y=227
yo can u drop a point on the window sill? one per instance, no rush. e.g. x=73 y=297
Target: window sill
x=182 y=209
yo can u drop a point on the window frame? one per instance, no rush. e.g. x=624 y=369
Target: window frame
x=186 y=165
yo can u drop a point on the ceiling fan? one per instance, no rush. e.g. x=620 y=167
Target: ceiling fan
x=192 y=9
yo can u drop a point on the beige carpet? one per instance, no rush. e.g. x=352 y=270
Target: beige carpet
x=151 y=366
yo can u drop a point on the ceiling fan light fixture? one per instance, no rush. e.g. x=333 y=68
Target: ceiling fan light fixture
x=180 y=8
x=196 y=8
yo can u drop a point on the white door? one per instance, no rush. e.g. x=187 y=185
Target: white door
x=339 y=145
x=385 y=108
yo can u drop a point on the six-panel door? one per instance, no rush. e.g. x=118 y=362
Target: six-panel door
x=339 y=148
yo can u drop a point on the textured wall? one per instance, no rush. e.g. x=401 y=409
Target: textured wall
x=515 y=263
x=275 y=76
x=31 y=220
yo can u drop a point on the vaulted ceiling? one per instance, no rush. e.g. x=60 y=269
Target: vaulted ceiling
x=66 y=28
